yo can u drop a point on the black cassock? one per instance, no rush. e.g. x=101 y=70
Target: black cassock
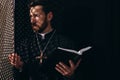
x=29 y=50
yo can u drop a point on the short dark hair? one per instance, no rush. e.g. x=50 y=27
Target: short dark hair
x=47 y=5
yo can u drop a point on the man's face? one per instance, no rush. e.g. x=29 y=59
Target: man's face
x=38 y=18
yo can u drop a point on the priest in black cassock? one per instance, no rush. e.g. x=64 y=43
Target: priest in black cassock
x=34 y=58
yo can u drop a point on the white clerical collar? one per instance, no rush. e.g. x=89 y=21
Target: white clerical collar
x=43 y=34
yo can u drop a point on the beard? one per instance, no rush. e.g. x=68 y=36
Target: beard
x=40 y=29
x=43 y=27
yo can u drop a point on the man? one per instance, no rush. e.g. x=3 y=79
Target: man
x=31 y=62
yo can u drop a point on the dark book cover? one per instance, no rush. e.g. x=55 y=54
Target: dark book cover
x=64 y=55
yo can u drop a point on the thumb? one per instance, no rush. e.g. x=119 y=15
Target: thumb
x=78 y=62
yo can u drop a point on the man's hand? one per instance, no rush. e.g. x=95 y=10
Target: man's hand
x=66 y=70
x=15 y=60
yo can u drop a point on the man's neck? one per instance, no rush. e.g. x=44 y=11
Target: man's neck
x=44 y=34
x=47 y=30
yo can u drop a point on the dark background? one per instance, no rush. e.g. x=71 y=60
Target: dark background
x=87 y=22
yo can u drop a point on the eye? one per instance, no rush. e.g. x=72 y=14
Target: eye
x=36 y=15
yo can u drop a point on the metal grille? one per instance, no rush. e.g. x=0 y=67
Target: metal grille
x=6 y=37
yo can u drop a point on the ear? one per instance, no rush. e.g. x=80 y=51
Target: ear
x=49 y=16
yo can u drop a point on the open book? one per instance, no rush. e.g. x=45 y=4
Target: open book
x=64 y=55
x=80 y=52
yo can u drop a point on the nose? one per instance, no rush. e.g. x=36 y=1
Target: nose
x=32 y=20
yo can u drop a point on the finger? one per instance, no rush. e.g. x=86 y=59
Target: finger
x=77 y=64
x=13 y=64
x=9 y=55
x=64 y=66
x=72 y=65
x=11 y=58
x=61 y=70
x=16 y=59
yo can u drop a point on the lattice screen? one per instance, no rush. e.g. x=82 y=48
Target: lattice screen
x=6 y=37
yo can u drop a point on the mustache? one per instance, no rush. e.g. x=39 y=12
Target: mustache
x=33 y=24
